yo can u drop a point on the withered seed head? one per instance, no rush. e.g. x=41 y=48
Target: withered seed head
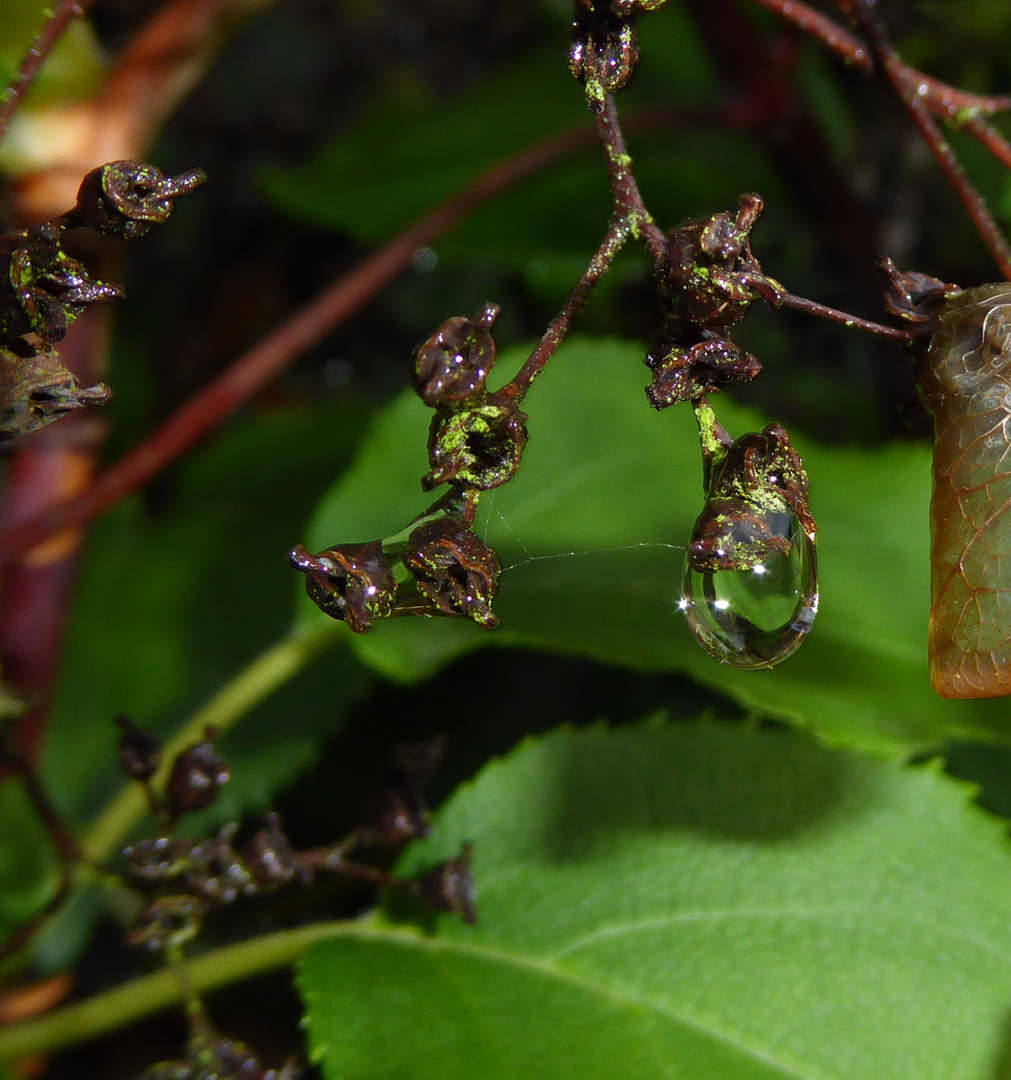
x=352 y=582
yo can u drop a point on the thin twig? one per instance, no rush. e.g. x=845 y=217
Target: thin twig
x=61 y=16
x=812 y=307
x=892 y=68
x=630 y=218
x=256 y=368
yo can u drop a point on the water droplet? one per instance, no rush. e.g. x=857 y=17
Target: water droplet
x=759 y=616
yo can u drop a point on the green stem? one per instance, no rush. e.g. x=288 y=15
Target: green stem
x=270 y=670
x=134 y=1000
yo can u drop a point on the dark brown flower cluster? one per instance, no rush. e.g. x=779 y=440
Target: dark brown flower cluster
x=43 y=289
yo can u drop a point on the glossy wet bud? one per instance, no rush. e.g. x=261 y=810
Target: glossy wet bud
x=36 y=389
x=211 y=1057
x=450 y=886
x=270 y=858
x=198 y=773
x=604 y=51
x=125 y=198
x=454 y=569
x=352 y=582
x=139 y=751
x=750 y=585
x=686 y=368
x=478 y=446
x=168 y=921
x=453 y=364
x=42 y=290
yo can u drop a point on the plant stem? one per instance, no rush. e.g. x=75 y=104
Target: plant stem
x=894 y=71
x=141 y=997
x=62 y=14
x=270 y=670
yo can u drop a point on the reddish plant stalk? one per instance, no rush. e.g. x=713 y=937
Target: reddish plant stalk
x=252 y=371
x=61 y=15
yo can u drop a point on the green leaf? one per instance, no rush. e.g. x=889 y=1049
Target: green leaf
x=406 y=156
x=706 y=902
x=591 y=531
x=28 y=863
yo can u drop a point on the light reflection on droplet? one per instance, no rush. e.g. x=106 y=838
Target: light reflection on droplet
x=758 y=616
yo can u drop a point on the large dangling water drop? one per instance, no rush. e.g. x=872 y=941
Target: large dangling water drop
x=758 y=616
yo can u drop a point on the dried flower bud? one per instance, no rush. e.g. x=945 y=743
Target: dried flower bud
x=125 y=198
x=139 y=750
x=452 y=365
x=169 y=921
x=216 y=1058
x=479 y=446
x=454 y=569
x=159 y=858
x=760 y=480
x=604 y=50
x=36 y=389
x=270 y=858
x=397 y=821
x=352 y=582
x=450 y=886
x=42 y=289
x=684 y=370
x=197 y=775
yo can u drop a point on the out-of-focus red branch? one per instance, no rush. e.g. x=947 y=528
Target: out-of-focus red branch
x=252 y=371
x=923 y=96
x=153 y=73
x=209 y=408
x=58 y=144
x=61 y=16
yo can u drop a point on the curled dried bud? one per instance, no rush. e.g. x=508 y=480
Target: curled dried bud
x=125 y=198
x=352 y=582
x=479 y=446
x=42 y=289
x=216 y=1058
x=915 y=297
x=450 y=886
x=36 y=389
x=454 y=569
x=196 y=777
x=139 y=750
x=270 y=858
x=759 y=482
x=685 y=371
x=168 y=921
x=452 y=365
x=159 y=858
x=604 y=49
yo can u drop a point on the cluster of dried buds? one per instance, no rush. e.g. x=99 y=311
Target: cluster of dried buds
x=188 y=878
x=605 y=44
x=212 y=1056
x=43 y=289
x=708 y=278
x=475 y=443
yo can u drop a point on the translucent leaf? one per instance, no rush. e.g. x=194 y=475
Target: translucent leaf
x=702 y=902
x=592 y=530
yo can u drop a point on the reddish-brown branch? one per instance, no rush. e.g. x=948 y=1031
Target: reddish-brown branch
x=922 y=96
x=888 y=62
x=61 y=16
x=256 y=368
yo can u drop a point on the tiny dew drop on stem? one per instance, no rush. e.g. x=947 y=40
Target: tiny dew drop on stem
x=750 y=585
